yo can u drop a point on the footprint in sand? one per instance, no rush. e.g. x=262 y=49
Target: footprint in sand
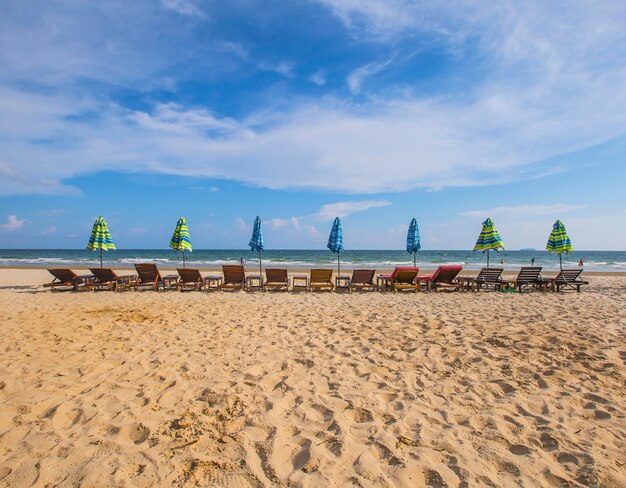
x=362 y=415
x=520 y=450
x=549 y=443
x=135 y=432
x=567 y=458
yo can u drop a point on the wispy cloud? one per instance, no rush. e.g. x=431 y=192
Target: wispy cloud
x=343 y=209
x=524 y=211
x=183 y=7
x=49 y=231
x=13 y=223
x=319 y=77
x=357 y=77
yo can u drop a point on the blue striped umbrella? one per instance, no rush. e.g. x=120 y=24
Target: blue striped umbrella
x=256 y=243
x=413 y=244
x=335 y=241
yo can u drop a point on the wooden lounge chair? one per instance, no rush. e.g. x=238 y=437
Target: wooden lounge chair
x=234 y=277
x=108 y=279
x=65 y=278
x=487 y=277
x=444 y=278
x=321 y=279
x=528 y=277
x=363 y=279
x=148 y=277
x=276 y=279
x=404 y=278
x=190 y=278
x=567 y=278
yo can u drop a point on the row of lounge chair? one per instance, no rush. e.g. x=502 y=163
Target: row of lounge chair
x=234 y=277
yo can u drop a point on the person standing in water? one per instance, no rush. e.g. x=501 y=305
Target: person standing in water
x=581 y=262
x=532 y=262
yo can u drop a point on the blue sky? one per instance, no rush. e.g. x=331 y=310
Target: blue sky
x=374 y=111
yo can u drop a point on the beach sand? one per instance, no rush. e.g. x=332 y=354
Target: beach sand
x=272 y=389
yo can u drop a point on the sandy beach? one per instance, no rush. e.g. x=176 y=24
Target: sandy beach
x=327 y=389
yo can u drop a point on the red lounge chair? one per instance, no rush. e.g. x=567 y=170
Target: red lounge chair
x=148 y=277
x=234 y=278
x=444 y=278
x=189 y=278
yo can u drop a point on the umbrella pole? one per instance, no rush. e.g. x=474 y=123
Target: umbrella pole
x=183 y=259
x=487 y=257
x=338 y=265
x=260 y=272
x=561 y=261
x=101 y=257
x=414 y=261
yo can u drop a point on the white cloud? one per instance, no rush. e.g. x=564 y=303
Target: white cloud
x=183 y=7
x=13 y=223
x=523 y=211
x=356 y=78
x=277 y=223
x=241 y=226
x=49 y=231
x=550 y=81
x=319 y=77
x=343 y=209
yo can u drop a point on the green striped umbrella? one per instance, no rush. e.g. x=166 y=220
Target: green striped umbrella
x=559 y=241
x=489 y=239
x=180 y=239
x=100 y=238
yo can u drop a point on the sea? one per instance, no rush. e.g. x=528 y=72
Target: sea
x=350 y=259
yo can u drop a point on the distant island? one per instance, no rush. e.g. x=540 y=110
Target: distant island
x=528 y=249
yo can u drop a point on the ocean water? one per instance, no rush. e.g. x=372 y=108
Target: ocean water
x=593 y=260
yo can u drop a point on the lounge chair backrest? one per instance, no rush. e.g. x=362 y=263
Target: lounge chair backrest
x=568 y=275
x=446 y=274
x=363 y=276
x=404 y=274
x=189 y=275
x=234 y=274
x=104 y=275
x=148 y=273
x=63 y=274
x=529 y=273
x=276 y=275
x=321 y=275
x=490 y=275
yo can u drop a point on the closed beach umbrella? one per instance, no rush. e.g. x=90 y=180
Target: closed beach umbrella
x=180 y=239
x=413 y=244
x=335 y=241
x=100 y=238
x=489 y=239
x=256 y=243
x=559 y=241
